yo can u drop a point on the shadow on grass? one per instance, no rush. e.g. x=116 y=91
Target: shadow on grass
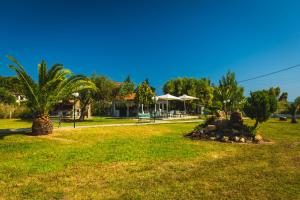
x=9 y=132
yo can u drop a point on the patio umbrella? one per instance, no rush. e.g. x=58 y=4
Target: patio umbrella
x=186 y=98
x=168 y=97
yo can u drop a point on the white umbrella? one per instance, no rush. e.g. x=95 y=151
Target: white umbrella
x=186 y=98
x=168 y=98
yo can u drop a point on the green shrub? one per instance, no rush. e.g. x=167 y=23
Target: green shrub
x=259 y=106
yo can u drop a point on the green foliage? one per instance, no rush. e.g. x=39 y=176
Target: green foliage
x=144 y=94
x=12 y=84
x=106 y=91
x=283 y=97
x=229 y=89
x=126 y=88
x=293 y=108
x=6 y=97
x=200 y=88
x=260 y=105
x=53 y=85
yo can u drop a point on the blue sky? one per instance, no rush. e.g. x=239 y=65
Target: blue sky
x=157 y=39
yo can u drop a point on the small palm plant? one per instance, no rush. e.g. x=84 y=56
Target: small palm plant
x=53 y=85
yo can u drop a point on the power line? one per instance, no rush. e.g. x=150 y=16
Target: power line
x=268 y=74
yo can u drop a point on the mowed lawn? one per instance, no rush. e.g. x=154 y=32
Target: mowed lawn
x=18 y=123
x=149 y=162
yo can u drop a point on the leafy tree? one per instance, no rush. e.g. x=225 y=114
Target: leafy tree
x=106 y=91
x=12 y=84
x=200 y=88
x=259 y=106
x=293 y=108
x=85 y=98
x=283 y=97
x=6 y=97
x=144 y=94
x=228 y=93
x=126 y=88
x=53 y=85
x=274 y=91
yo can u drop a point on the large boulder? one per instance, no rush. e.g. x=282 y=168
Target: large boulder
x=236 y=118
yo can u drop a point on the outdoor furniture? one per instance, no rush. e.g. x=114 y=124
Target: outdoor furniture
x=144 y=116
x=167 y=97
x=186 y=98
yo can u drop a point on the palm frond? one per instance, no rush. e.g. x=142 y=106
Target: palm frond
x=42 y=70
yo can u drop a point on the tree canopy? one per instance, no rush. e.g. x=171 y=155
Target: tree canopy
x=260 y=105
x=200 y=88
x=144 y=94
x=6 y=96
x=229 y=92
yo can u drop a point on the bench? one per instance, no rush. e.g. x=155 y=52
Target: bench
x=142 y=116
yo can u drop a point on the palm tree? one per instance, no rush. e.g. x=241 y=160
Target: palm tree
x=53 y=85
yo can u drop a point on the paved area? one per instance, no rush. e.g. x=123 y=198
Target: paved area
x=26 y=130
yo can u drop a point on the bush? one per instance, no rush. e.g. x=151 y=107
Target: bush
x=14 y=111
x=259 y=106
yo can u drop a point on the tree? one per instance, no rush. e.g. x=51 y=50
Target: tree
x=144 y=94
x=106 y=91
x=126 y=88
x=259 y=106
x=85 y=98
x=229 y=94
x=6 y=97
x=200 y=88
x=293 y=108
x=53 y=85
x=11 y=84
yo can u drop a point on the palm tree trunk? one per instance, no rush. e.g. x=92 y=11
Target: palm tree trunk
x=42 y=125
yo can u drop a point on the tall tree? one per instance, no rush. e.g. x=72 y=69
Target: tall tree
x=200 y=88
x=144 y=94
x=53 y=85
x=6 y=96
x=126 y=88
x=106 y=91
x=229 y=94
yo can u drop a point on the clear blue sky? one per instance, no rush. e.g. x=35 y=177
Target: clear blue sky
x=158 y=40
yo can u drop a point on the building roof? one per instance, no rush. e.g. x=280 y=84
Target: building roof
x=130 y=97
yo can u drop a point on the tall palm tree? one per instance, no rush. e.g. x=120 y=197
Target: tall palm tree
x=53 y=85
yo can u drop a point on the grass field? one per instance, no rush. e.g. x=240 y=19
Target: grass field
x=18 y=123
x=149 y=162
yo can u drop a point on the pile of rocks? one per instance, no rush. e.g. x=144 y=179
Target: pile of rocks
x=218 y=128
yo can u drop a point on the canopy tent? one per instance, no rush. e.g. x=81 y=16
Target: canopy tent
x=186 y=98
x=167 y=97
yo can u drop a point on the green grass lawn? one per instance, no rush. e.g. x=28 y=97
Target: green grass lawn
x=149 y=162
x=18 y=123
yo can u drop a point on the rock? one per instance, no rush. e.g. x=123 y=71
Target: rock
x=211 y=127
x=212 y=138
x=221 y=123
x=236 y=139
x=242 y=140
x=236 y=117
x=258 y=138
x=225 y=139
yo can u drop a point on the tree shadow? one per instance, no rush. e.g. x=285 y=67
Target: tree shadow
x=9 y=132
